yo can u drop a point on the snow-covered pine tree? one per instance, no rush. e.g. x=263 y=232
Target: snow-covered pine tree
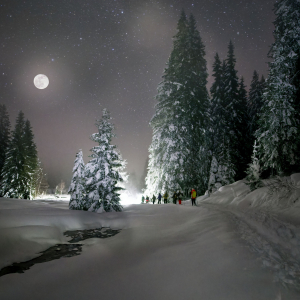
x=254 y=172
x=102 y=172
x=197 y=110
x=278 y=143
x=181 y=115
x=77 y=186
x=235 y=113
x=165 y=157
x=221 y=171
x=4 y=135
x=14 y=180
x=153 y=178
x=21 y=161
x=215 y=113
x=245 y=141
x=31 y=158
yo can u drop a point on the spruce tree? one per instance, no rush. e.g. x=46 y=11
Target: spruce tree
x=278 y=133
x=231 y=98
x=254 y=172
x=221 y=169
x=21 y=161
x=102 y=172
x=181 y=115
x=14 y=180
x=31 y=158
x=4 y=136
x=197 y=108
x=245 y=142
x=235 y=110
x=166 y=155
x=214 y=132
x=77 y=187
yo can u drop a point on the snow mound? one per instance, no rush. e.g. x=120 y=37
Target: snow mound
x=279 y=196
x=29 y=227
x=268 y=218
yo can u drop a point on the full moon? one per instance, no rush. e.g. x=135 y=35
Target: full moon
x=41 y=81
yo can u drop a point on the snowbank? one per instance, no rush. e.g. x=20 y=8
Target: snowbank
x=279 y=196
x=29 y=227
x=268 y=218
x=162 y=252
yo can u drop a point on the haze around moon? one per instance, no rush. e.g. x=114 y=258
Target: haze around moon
x=41 y=81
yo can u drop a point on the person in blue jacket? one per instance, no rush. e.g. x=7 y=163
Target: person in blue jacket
x=159 y=198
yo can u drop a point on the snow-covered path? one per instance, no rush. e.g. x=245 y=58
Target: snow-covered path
x=163 y=252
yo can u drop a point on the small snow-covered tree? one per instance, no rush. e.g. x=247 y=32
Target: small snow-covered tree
x=36 y=180
x=254 y=172
x=60 y=187
x=77 y=187
x=44 y=185
x=102 y=172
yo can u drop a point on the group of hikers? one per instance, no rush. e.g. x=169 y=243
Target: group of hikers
x=177 y=196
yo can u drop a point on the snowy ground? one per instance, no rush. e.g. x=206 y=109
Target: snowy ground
x=233 y=245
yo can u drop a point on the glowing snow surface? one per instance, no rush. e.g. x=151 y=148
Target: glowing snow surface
x=162 y=252
x=128 y=198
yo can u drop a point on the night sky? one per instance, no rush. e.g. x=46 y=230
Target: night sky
x=110 y=54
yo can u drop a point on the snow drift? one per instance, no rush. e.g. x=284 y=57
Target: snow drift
x=163 y=251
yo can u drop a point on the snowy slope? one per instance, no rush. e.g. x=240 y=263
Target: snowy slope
x=279 y=197
x=162 y=252
x=269 y=220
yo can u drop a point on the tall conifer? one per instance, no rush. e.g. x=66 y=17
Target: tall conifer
x=254 y=103
x=245 y=145
x=20 y=163
x=235 y=109
x=31 y=158
x=4 y=136
x=221 y=171
x=14 y=180
x=278 y=143
x=181 y=114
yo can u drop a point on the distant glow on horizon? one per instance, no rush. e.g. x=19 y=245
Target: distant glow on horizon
x=128 y=198
x=41 y=81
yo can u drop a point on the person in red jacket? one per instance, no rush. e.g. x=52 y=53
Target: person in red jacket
x=193 y=196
